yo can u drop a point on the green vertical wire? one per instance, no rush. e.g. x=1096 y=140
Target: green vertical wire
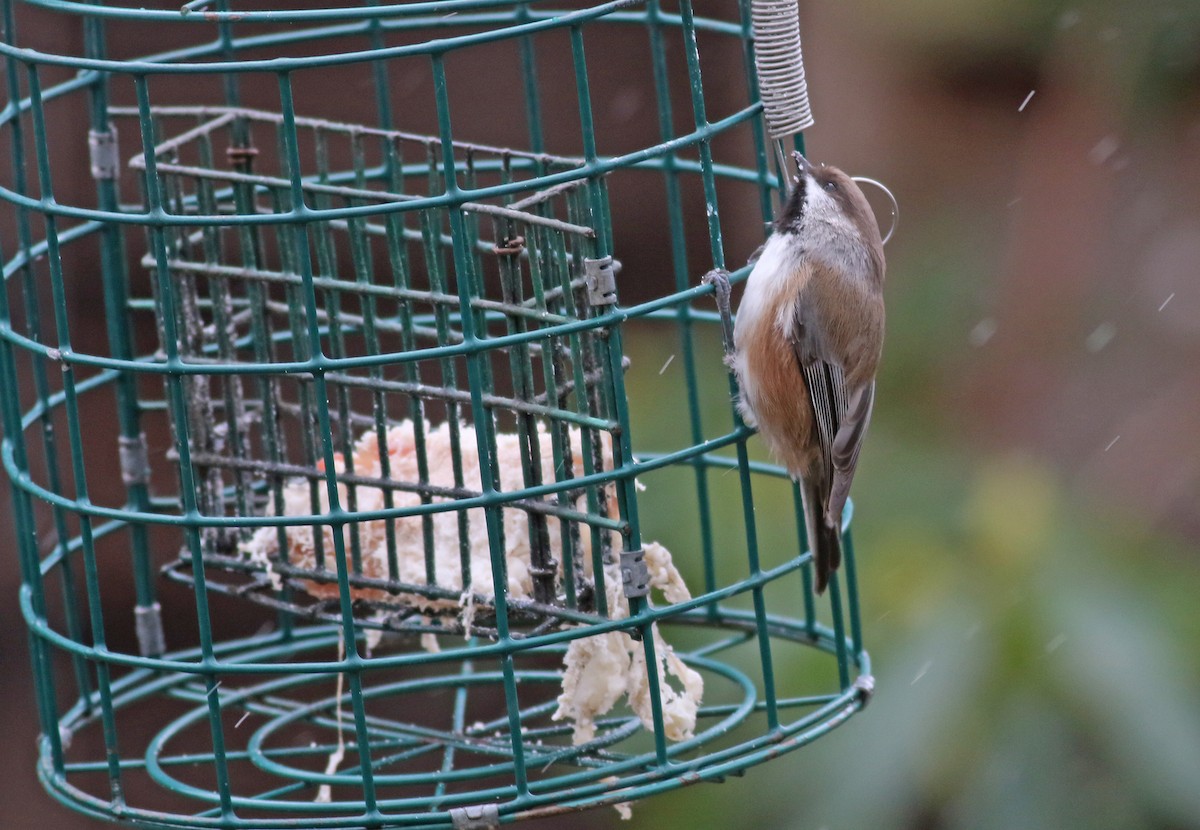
x=115 y=279
x=852 y=592
x=187 y=485
x=220 y=296
x=675 y=232
x=554 y=273
x=336 y=515
x=383 y=98
x=474 y=273
x=592 y=401
x=806 y=575
x=616 y=397
x=564 y=466
x=588 y=131
x=292 y=258
x=523 y=389
x=439 y=283
x=27 y=542
x=471 y=221
x=239 y=128
x=360 y=256
x=185 y=309
x=399 y=263
x=252 y=256
x=75 y=437
x=603 y=347
x=538 y=241
x=521 y=370
x=475 y=380
x=469 y=283
x=798 y=143
x=251 y=244
x=30 y=293
x=322 y=239
x=298 y=345
x=579 y=342
x=430 y=223
x=714 y=230
x=529 y=75
x=839 y=629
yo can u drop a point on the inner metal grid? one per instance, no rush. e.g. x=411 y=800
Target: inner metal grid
x=200 y=675
x=238 y=307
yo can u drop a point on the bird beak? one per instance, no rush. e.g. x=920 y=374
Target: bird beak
x=802 y=164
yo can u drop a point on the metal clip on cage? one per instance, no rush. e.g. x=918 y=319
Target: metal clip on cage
x=349 y=356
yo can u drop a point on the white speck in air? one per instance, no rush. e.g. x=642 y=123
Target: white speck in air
x=1167 y=300
x=665 y=365
x=1103 y=150
x=922 y=672
x=1110 y=443
x=1100 y=337
x=982 y=332
x=1025 y=103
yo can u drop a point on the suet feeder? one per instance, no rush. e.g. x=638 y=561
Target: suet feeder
x=355 y=390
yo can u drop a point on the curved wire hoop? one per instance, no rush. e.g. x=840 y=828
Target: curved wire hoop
x=891 y=197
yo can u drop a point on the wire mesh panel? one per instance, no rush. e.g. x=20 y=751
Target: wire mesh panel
x=255 y=444
x=324 y=469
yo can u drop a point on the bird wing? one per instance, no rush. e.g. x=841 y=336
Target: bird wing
x=846 y=446
x=841 y=411
x=826 y=387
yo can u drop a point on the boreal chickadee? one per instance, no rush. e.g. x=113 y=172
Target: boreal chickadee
x=807 y=342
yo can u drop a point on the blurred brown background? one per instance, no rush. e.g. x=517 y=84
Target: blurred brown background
x=1028 y=524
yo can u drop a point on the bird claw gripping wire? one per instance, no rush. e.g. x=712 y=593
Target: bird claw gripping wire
x=719 y=279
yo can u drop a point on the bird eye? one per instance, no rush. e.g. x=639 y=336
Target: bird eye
x=831 y=186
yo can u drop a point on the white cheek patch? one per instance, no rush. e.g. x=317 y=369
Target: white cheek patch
x=830 y=236
x=817 y=203
x=822 y=209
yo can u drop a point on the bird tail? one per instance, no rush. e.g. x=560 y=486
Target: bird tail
x=824 y=540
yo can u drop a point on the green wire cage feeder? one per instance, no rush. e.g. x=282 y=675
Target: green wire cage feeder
x=325 y=480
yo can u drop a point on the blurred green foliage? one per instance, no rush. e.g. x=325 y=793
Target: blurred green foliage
x=1035 y=657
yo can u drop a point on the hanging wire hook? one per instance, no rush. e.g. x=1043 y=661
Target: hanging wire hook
x=891 y=196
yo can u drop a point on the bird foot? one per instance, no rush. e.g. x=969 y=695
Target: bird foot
x=718 y=278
